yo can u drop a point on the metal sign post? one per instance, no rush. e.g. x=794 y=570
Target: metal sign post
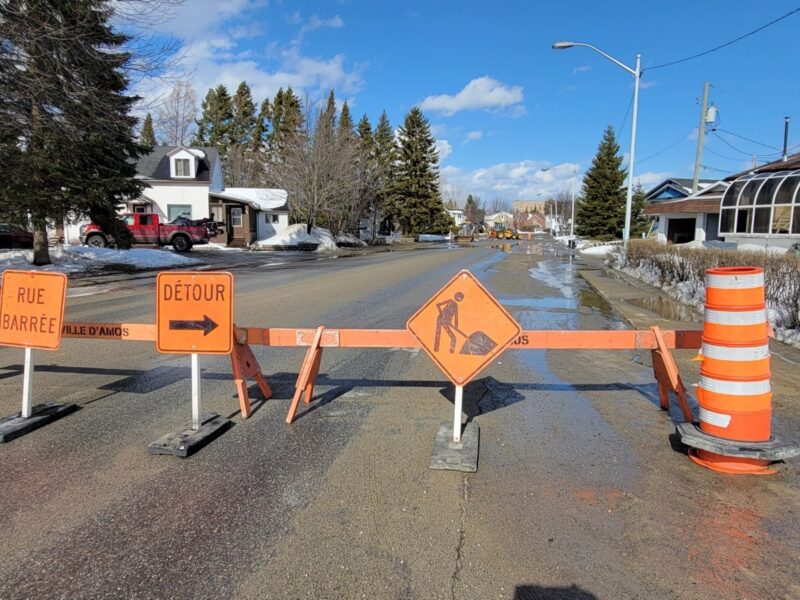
x=457 y=414
x=27 y=384
x=195 y=391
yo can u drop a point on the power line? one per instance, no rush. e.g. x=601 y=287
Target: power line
x=625 y=118
x=727 y=143
x=672 y=145
x=708 y=168
x=748 y=139
x=721 y=46
x=706 y=148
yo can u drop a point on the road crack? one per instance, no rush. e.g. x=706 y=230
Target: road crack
x=462 y=535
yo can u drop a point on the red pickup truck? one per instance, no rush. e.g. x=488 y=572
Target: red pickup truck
x=182 y=233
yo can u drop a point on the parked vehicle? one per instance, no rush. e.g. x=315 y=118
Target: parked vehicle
x=14 y=236
x=147 y=229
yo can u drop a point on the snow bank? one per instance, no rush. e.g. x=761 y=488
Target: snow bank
x=347 y=239
x=295 y=235
x=432 y=237
x=320 y=238
x=599 y=250
x=325 y=238
x=76 y=259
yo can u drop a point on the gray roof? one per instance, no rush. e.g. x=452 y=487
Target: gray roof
x=156 y=164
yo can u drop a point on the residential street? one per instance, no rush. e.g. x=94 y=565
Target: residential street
x=581 y=491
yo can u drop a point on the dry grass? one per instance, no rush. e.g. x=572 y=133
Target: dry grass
x=675 y=265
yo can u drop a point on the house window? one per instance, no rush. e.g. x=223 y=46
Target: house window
x=176 y=210
x=275 y=218
x=182 y=167
x=236 y=217
x=139 y=208
x=270 y=218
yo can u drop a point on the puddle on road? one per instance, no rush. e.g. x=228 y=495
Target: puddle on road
x=667 y=308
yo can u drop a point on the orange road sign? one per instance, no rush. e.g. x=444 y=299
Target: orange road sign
x=32 y=309
x=194 y=313
x=463 y=328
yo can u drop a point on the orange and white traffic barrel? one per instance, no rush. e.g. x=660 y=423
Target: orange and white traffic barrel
x=735 y=391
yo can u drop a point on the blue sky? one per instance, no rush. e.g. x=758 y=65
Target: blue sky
x=502 y=103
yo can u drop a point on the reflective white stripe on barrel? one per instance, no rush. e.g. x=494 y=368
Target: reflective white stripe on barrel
x=736 y=388
x=714 y=418
x=735 y=282
x=737 y=353
x=736 y=317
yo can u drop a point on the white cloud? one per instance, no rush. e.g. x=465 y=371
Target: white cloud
x=513 y=180
x=647 y=84
x=211 y=54
x=444 y=149
x=473 y=136
x=650 y=178
x=581 y=69
x=314 y=23
x=481 y=93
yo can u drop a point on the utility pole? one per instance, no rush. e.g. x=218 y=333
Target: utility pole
x=701 y=134
x=785 y=137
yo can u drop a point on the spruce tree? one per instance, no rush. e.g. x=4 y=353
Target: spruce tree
x=243 y=120
x=67 y=143
x=147 y=136
x=385 y=157
x=345 y=122
x=601 y=212
x=262 y=125
x=214 y=125
x=287 y=122
x=640 y=223
x=416 y=188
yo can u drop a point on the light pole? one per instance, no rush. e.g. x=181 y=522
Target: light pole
x=636 y=72
x=572 y=220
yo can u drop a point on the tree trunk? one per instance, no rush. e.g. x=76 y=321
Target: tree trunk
x=41 y=251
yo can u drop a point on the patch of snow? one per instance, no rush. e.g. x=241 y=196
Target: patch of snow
x=599 y=250
x=294 y=235
x=347 y=239
x=432 y=237
x=215 y=246
x=75 y=259
x=325 y=238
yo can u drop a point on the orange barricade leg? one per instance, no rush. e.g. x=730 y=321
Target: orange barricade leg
x=245 y=366
x=305 y=379
x=668 y=376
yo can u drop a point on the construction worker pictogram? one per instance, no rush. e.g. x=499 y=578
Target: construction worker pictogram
x=463 y=312
x=194 y=313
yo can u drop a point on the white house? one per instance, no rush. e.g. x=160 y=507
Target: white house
x=458 y=215
x=500 y=218
x=691 y=218
x=189 y=181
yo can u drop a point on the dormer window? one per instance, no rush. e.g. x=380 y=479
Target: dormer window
x=184 y=162
x=182 y=168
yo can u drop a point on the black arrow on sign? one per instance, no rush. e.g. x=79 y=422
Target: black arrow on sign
x=206 y=325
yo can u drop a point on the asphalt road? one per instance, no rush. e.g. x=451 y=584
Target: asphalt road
x=579 y=493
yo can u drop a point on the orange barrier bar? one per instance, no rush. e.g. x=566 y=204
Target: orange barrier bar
x=402 y=338
x=134 y=332
x=528 y=340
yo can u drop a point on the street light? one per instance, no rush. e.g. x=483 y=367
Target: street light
x=626 y=233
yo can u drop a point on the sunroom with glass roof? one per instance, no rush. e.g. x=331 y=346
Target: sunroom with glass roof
x=762 y=204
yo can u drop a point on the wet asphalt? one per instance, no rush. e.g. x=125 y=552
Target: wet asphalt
x=579 y=494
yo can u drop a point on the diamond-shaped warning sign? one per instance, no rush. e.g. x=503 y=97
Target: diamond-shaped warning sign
x=463 y=328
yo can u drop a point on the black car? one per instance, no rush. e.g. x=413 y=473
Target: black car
x=14 y=236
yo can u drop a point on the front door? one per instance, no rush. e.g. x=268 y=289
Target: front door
x=235 y=223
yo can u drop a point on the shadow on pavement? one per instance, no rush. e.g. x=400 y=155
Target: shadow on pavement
x=537 y=592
